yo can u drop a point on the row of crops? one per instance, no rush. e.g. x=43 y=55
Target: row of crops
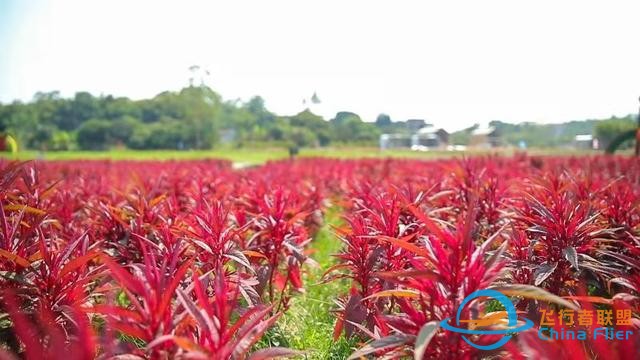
x=195 y=260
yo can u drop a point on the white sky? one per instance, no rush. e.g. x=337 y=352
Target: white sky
x=453 y=63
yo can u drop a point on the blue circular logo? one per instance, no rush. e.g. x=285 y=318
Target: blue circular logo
x=512 y=318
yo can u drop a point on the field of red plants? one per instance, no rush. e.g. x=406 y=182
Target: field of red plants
x=195 y=260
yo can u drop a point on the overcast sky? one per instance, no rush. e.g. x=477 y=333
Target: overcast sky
x=453 y=63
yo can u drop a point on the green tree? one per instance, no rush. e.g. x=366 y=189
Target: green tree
x=121 y=130
x=240 y=119
x=348 y=127
x=94 y=135
x=302 y=137
x=71 y=114
x=119 y=107
x=607 y=130
x=318 y=127
x=383 y=121
x=202 y=108
x=41 y=136
x=279 y=129
x=264 y=117
x=139 y=137
x=61 y=140
x=20 y=120
x=47 y=107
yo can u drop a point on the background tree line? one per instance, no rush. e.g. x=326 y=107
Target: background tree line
x=554 y=135
x=195 y=117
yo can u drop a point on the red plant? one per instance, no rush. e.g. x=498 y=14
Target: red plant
x=43 y=337
x=196 y=260
x=210 y=332
x=279 y=237
x=561 y=231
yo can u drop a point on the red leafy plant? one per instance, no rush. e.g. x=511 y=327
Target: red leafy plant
x=443 y=267
x=278 y=240
x=563 y=233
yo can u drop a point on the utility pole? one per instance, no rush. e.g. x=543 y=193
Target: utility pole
x=194 y=72
x=198 y=73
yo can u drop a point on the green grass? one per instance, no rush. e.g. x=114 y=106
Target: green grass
x=252 y=156
x=308 y=324
x=248 y=156
x=240 y=155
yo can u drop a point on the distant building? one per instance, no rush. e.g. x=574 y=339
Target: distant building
x=585 y=142
x=422 y=137
x=395 y=141
x=485 y=137
x=431 y=138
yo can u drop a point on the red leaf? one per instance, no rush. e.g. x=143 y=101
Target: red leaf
x=77 y=263
x=123 y=277
x=405 y=245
